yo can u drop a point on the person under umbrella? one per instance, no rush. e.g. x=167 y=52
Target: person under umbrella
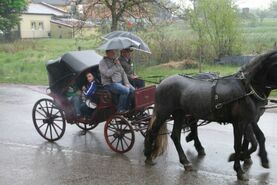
x=126 y=62
x=114 y=78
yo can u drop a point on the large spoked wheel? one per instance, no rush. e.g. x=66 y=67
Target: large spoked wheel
x=48 y=119
x=86 y=126
x=148 y=112
x=119 y=134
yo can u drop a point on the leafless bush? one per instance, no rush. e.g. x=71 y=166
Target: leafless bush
x=166 y=48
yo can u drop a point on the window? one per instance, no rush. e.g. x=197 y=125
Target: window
x=33 y=25
x=40 y=26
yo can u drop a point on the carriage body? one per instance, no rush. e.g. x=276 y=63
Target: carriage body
x=52 y=114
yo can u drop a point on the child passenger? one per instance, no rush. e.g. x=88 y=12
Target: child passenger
x=91 y=85
x=73 y=95
x=89 y=90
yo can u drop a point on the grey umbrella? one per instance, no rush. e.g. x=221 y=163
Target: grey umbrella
x=119 y=43
x=143 y=46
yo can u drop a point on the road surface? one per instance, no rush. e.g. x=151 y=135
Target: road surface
x=26 y=158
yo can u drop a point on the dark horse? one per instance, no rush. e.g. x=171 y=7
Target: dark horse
x=238 y=99
x=191 y=122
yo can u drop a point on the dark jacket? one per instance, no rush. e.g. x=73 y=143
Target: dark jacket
x=127 y=66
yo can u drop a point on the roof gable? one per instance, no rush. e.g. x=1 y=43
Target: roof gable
x=44 y=8
x=53 y=2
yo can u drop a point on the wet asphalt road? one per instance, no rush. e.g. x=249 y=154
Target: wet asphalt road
x=26 y=158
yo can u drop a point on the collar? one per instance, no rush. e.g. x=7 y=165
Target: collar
x=254 y=92
x=241 y=76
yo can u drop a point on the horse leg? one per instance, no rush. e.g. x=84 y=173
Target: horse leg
x=246 y=153
x=238 y=130
x=249 y=137
x=176 y=137
x=261 y=140
x=193 y=135
x=151 y=136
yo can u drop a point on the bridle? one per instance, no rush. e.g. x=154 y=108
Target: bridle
x=241 y=76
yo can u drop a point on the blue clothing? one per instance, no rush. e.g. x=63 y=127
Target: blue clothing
x=90 y=89
x=124 y=93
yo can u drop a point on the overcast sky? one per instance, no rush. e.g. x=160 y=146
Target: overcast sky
x=261 y=4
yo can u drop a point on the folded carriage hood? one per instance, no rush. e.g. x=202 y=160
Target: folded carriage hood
x=68 y=67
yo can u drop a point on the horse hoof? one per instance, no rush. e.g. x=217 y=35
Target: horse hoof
x=231 y=157
x=242 y=177
x=265 y=165
x=188 y=167
x=201 y=152
x=248 y=162
x=149 y=162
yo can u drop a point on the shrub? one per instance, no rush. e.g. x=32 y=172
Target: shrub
x=165 y=48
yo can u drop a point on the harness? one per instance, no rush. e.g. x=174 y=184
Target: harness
x=215 y=104
x=240 y=76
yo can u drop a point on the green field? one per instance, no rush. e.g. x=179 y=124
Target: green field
x=24 y=61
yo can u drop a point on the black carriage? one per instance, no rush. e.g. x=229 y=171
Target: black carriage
x=51 y=115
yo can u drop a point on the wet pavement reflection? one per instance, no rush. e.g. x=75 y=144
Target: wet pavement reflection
x=26 y=158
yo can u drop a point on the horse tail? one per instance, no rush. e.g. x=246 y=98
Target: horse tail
x=160 y=144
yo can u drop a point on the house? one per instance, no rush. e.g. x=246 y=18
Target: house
x=70 y=28
x=35 y=21
x=42 y=20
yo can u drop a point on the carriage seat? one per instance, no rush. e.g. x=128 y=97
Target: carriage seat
x=104 y=98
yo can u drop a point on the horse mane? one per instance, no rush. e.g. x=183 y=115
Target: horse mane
x=255 y=65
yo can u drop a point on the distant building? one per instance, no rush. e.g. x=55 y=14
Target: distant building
x=35 y=21
x=70 y=28
x=42 y=20
x=246 y=10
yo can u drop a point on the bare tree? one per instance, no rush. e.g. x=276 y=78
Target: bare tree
x=117 y=9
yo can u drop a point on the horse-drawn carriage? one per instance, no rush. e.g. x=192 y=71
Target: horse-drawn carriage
x=50 y=115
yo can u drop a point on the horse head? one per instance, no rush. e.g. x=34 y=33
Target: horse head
x=271 y=77
x=261 y=73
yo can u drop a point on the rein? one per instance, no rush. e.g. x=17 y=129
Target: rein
x=220 y=105
x=186 y=129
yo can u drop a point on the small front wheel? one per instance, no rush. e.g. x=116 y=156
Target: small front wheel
x=86 y=126
x=119 y=134
x=48 y=119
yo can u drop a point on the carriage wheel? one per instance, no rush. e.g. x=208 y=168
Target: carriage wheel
x=48 y=119
x=119 y=134
x=148 y=112
x=86 y=126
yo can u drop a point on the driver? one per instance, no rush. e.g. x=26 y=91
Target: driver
x=126 y=62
